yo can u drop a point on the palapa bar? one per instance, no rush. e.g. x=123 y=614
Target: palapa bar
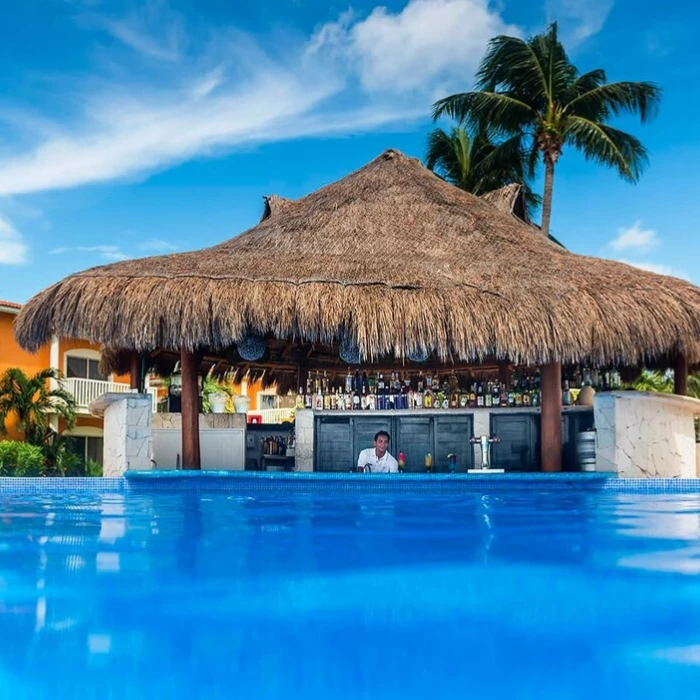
x=391 y=262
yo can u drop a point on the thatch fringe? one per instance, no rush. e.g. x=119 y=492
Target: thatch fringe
x=401 y=261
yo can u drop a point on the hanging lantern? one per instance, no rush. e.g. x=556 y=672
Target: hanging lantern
x=251 y=347
x=418 y=355
x=349 y=352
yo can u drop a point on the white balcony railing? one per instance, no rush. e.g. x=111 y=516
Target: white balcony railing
x=86 y=390
x=273 y=415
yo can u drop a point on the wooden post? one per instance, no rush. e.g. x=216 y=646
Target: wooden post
x=135 y=371
x=680 y=375
x=190 y=411
x=550 y=425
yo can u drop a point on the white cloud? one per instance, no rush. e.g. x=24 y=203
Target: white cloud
x=429 y=41
x=578 y=19
x=156 y=245
x=153 y=31
x=635 y=238
x=111 y=253
x=13 y=249
x=658 y=268
x=352 y=75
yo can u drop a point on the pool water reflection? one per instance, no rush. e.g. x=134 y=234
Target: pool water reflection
x=547 y=594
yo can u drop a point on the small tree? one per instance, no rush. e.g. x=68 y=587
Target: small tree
x=32 y=400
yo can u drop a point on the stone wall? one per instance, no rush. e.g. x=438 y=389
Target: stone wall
x=304 y=438
x=646 y=435
x=207 y=421
x=127 y=431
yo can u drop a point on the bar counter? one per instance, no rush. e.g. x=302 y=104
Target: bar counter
x=330 y=441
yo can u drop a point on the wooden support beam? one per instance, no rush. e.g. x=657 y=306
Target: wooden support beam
x=135 y=371
x=680 y=375
x=550 y=425
x=190 y=411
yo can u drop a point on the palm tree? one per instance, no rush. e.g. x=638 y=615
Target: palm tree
x=31 y=400
x=530 y=89
x=478 y=165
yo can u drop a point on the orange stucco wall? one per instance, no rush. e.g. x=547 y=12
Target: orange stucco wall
x=11 y=355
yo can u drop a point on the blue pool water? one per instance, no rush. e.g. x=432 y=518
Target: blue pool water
x=246 y=593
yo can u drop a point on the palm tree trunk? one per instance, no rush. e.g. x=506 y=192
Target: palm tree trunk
x=547 y=198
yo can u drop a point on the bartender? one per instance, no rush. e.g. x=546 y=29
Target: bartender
x=376 y=459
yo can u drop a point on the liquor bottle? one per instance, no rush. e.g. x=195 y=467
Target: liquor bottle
x=340 y=400
x=496 y=398
x=364 y=403
x=527 y=397
x=488 y=396
x=348 y=382
x=480 y=395
x=317 y=382
x=429 y=381
x=418 y=398
x=365 y=383
x=517 y=396
x=372 y=382
x=380 y=393
x=511 y=398
x=428 y=397
x=349 y=401
x=318 y=398
x=472 y=396
x=324 y=383
x=391 y=392
x=445 y=398
x=566 y=394
x=463 y=398
x=355 y=400
x=411 y=398
x=372 y=402
x=421 y=383
x=300 y=398
x=454 y=397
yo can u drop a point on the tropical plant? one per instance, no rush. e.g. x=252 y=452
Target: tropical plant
x=477 y=164
x=529 y=89
x=31 y=400
x=60 y=459
x=215 y=386
x=20 y=459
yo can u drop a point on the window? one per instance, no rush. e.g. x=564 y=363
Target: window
x=83 y=368
x=86 y=447
x=267 y=401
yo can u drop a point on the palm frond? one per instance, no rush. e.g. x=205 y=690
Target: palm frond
x=511 y=63
x=612 y=147
x=617 y=98
x=504 y=113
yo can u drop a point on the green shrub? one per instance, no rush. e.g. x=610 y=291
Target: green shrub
x=93 y=468
x=20 y=459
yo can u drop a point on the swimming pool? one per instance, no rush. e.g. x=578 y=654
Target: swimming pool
x=344 y=588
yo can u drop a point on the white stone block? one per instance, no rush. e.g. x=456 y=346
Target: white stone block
x=646 y=435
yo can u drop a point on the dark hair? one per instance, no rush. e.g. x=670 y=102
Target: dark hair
x=384 y=433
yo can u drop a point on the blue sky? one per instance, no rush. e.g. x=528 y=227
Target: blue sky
x=138 y=128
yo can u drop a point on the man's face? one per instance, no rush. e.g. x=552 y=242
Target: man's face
x=381 y=443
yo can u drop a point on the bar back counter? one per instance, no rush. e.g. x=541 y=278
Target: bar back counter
x=338 y=436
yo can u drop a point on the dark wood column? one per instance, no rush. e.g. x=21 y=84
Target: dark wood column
x=550 y=425
x=190 y=411
x=135 y=371
x=680 y=375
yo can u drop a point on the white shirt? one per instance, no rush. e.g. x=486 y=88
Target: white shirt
x=386 y=464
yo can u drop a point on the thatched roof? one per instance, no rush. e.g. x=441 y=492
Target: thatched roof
x=509 y=199
x=398 y=259
x=273 y=205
